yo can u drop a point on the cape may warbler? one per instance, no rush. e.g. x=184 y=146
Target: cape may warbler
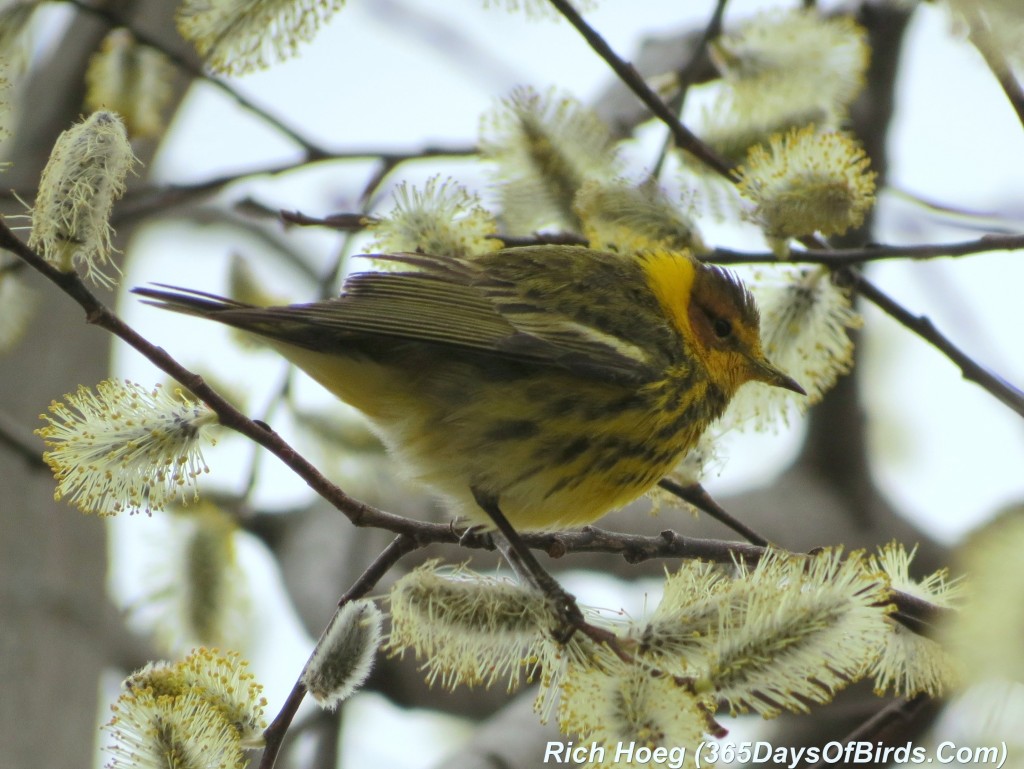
x=557 y=382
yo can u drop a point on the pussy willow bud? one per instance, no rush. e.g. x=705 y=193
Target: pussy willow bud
x=783 y=70
x=441 y=218
x=911 y=663
x=805 y=330
x=625 y=217
x=132 y=80
x=195 y=586
x=204 y=711
x=153 y=730
x=344 y=655
x=125 y=447
x=829 y=55
x=238 y=36
x=468 y=628
x=808 y=629
x=805 y=181
x=545 y=147
x=84 y=176
x=629 y=704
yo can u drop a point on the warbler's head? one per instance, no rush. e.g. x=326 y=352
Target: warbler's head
x=725 y=330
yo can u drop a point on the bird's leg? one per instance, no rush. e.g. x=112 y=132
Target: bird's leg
x=474 y=531
x=525 y=564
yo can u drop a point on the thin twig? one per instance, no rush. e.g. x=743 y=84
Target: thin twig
x=342 y=221
x=845 y=257
x=698 y=496
x=280 y=248
x=698 y=60
x=274 y=734
x=900 y=710
x=688 y=75
x=684 y=137
x=835 y=257
x=972 y=371
x=142 y=201
x=541 y=239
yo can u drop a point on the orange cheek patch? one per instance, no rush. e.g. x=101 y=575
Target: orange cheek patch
x=701 y=326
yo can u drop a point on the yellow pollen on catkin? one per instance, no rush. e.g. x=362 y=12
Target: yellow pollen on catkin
x=125 y=448
x=804 y=182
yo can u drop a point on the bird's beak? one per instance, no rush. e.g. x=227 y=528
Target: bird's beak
x=763 y=371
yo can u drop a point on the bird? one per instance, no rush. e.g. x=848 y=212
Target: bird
x=551 y=384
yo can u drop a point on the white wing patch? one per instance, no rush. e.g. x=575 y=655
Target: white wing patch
x=619 y=345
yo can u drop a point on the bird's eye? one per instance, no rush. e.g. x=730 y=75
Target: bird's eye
x=721 y=327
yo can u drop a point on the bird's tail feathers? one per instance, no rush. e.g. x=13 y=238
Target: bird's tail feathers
x=188 y=301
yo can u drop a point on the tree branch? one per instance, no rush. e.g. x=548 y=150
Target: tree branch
x=973 y=371
x=684 y=137
x=141 y=202
x=698 y=496
x=900 y=710
x=875 y=252
x=691 y=73
x=830 y=257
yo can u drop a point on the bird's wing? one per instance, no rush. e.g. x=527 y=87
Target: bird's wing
x=595 y=308
x=427 y=306
x=505 y=303
x=459 y=303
